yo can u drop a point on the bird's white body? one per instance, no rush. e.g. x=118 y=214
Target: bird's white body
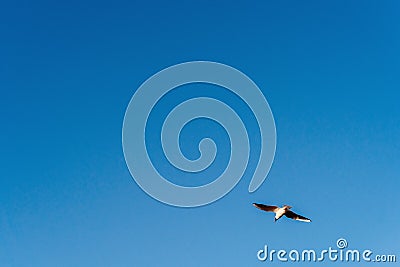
x=279 y=213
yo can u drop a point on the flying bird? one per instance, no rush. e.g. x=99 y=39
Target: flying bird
x=279 y=212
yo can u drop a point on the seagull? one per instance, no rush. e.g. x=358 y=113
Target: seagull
x=279 y=212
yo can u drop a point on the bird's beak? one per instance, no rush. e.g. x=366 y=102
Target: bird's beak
x=275 y=219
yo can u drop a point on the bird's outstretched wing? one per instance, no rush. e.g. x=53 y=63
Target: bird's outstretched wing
x=290 y=214
x=265 y=207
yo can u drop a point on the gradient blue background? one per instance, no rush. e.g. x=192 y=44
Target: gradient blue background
x=330 y=71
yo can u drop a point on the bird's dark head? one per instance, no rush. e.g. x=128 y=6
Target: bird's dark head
x=287 y=207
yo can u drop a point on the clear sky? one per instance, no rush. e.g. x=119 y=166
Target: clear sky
x=68 y=69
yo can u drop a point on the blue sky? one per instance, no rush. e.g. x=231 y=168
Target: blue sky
x=330 y=72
